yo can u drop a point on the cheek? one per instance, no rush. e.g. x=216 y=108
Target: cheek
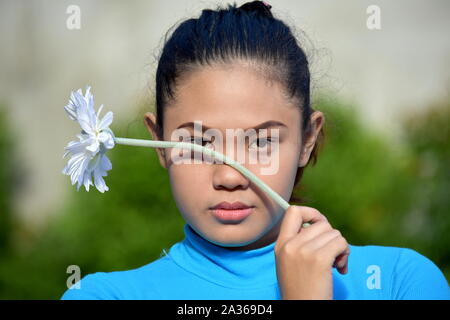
x=281 y=169
x=289 y=160
x=188 y=183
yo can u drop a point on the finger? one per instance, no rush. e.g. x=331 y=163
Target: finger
x=335 y=247
x=321 y=230
x=341 y=263
x=343 y=268
x=293 y=220
x=315 y=239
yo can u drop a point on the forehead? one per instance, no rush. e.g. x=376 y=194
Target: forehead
x=230 y=97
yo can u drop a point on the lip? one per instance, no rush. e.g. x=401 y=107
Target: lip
x=231 y=206
x=234 y=212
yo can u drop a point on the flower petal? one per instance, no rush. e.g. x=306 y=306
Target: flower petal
x=71 y=111
x=81 y=171
x=77 y=146
x=84 y=118
x=88 y=163
x=87 y=180
x=99 y=110
x=106 y=121
x=89 y=98
x=107 y=140
x=94 y=147
x=74 y=166
x=99 y=182
x=105 y=164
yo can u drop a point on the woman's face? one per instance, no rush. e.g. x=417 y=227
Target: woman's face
x=234 y=98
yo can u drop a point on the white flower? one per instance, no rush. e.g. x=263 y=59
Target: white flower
x=88 y=154
x=76 y=100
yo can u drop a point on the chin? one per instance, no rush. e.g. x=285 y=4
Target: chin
x=233 y=245
x=231 y=240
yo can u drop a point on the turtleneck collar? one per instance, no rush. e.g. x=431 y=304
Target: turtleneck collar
x=229 y=268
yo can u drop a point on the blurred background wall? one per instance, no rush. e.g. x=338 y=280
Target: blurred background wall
x=380 y=77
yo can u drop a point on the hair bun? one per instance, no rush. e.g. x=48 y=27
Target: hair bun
x=258 y=6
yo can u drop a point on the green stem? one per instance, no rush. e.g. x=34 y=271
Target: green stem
x=221 y=157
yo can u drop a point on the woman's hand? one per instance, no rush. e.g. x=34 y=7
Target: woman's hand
x=305 y=256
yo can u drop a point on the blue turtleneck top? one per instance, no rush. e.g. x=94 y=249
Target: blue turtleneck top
x=195 y=268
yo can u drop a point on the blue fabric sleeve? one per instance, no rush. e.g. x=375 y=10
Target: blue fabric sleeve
x=92 y=287
x=417 y=278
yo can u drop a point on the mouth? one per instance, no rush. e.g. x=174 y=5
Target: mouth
x=231 y=212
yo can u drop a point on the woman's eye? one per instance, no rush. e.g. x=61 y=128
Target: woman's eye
x=199 y=141
x=262 y=142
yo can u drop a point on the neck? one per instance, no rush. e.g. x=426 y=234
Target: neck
x=236 y=267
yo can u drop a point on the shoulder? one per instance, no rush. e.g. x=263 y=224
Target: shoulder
x=133 y=284
x=404 y=272
x=374 y=252
x=417 y=277
x=370 y=259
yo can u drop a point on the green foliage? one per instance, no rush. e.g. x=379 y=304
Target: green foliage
x=360 y=182
x=5 y=177
x=428 y=135
x=12 y=178
x=124 y=228
x=379 y=193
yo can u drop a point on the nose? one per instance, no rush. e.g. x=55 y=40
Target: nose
x=226 y=177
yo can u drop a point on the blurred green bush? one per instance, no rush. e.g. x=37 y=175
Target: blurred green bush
x=378 y=192
x=372 y=191
x=7 y=153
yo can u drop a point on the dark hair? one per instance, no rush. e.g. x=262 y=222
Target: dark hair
x=249 y=32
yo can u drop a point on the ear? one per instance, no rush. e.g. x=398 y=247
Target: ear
x=150 y=123
x=317 y=121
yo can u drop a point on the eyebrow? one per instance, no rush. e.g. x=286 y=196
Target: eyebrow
x=264 y=125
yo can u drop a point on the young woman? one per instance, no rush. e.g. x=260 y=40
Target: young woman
x=240 y=68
